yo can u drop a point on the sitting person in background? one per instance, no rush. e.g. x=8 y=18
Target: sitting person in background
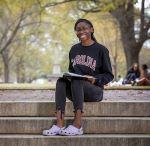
x=145 y=76
x=132 y=74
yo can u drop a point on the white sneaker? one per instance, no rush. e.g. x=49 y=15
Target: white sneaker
x=54 y=130
x=71 y=130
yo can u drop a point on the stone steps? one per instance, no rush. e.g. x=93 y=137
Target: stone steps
x=106 y=123
x=91 y=109
x=84 y=140
x=96 y=125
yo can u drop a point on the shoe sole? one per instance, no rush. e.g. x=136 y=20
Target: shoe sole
x=64 y=134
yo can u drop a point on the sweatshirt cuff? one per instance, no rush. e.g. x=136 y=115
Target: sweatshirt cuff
x=99 y=83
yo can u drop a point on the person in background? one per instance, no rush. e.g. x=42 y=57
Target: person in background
x=87 y=58
x=132 y=74
x=145 y=76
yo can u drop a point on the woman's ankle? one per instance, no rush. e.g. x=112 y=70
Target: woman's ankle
x=60 y=122
x=77 y=125
x=60 y=118
x=77 y=118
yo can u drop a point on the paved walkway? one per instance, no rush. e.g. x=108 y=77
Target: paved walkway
x=49 y=95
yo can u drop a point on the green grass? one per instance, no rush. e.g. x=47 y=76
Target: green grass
x=50 y=86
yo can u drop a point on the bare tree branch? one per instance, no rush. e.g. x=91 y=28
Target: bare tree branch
x=13 y=34
x=57 y=3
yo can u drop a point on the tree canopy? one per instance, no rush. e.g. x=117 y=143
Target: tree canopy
x=36 y=34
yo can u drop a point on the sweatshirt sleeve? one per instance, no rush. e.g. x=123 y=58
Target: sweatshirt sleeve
x=70 y=69
x=106 y=76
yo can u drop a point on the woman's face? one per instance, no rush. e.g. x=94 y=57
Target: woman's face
x=135 y=67
x=83 y=31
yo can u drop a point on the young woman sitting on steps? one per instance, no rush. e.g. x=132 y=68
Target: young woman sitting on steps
x=88 y=58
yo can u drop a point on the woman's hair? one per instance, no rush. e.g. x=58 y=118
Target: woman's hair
x=144 y=66
x=89 y=23
x=134 y=65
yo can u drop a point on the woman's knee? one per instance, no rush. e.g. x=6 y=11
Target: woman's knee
x=60 y=81
x=95 y=96
x=99 y=98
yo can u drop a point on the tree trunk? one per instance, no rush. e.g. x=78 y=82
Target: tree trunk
x=20 y=71
x=115 y=69
x=116 y=56
x=6 y=65
x=125 y=17
x=132 y=55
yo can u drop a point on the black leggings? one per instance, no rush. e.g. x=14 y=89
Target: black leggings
x=77 y=91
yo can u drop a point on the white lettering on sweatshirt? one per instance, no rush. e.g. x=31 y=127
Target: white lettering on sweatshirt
x=84 y=60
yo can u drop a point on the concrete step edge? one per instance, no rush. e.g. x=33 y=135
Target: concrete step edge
x=85 y=135
x=84 y=140
x=68 y=102
x=68 y=117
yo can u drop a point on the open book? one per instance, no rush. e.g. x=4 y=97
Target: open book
x=73 y=75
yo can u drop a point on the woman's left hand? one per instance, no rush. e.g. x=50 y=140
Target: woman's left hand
x=90 y=78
